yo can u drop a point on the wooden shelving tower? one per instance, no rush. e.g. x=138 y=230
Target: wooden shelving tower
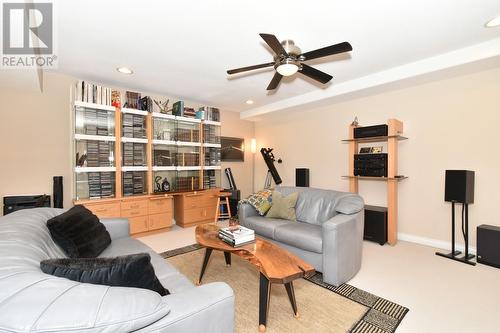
x=395 y=131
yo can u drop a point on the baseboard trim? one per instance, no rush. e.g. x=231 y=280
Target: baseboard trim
x=436 y=243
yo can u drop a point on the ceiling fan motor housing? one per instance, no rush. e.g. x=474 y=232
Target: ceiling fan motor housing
x=293 y=52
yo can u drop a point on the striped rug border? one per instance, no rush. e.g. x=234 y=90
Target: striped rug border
x=382 y=315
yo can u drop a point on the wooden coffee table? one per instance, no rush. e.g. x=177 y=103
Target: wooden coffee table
x=276 y=265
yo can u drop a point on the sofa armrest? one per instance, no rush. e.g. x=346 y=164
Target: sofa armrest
x=117 y=227
x=246 y=210
x=205 y=309
x=342 y=247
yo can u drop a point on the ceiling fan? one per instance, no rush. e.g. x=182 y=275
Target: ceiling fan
x=289 y=59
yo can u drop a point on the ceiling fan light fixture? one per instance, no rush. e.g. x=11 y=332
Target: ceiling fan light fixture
x=287 y=67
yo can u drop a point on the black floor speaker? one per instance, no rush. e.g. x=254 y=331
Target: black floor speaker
x=57 y=191
x=488 y=245
x=302 y=177
x=375 y=224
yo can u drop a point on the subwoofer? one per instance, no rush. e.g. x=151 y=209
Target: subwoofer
x=459 y=186
x=488 y=245
x=57 y=191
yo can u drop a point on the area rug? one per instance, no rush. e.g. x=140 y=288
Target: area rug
x=322 y=307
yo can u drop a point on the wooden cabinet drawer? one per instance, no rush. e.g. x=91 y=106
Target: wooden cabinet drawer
x=199 y=214
x=159 y=205
x=134 y=208
x=138 y=224
x=104 y=210
x=134 y=204
x=158 y=221
x=199 y=200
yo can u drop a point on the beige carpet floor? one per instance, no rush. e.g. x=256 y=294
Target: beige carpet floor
x=320 y=309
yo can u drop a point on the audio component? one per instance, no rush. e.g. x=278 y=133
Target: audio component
x=302 y=177
x=459 y=186
x=18 y=202
x=373 y=165
x=57 y=191
x=488 y=245
x=375 y=224
x=371 y=131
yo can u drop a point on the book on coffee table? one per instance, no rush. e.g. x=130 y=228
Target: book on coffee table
x=237 y=235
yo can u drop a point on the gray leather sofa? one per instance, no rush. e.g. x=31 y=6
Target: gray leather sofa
x=328 y=232
x=31 y=301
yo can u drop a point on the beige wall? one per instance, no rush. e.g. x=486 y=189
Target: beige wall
x=36 y=144
x=451 y=124
x=34 y=138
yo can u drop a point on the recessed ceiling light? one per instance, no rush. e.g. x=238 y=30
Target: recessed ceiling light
x=125 y=70
x=249 y=102
x=493 y=23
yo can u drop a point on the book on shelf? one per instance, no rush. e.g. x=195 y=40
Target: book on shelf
x=178 y=108
x=93 y=93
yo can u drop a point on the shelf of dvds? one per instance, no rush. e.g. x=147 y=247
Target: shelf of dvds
x=125 y=154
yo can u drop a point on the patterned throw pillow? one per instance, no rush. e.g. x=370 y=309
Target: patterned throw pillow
x=261 y=201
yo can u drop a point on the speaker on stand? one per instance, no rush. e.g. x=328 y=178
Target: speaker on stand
x=302 y=177
x=57 y=191
x=459 y=187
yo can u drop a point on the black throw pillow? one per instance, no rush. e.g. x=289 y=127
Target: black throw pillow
x=133 y=270
x=79 y=233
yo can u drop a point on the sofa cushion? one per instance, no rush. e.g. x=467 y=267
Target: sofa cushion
x=79 y=233
x=305 y=236
x=134 y=270
x=261 y=201
x=264 y=226
x=350 y=204
x=283 y=206
x=314 y=205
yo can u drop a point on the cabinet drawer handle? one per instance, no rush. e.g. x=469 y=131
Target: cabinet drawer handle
x=159 y=198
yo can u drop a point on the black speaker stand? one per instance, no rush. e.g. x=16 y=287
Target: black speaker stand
x=454 y=255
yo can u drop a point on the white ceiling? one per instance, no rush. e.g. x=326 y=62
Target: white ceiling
x=183 y=48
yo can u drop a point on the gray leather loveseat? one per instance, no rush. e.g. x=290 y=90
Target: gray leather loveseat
x=31 y=301
x=328 y=232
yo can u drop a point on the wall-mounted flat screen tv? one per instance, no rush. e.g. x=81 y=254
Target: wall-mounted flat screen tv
x=232 y=149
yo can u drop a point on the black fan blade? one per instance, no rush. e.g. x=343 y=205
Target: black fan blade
x=326 y=51
x=249 y=68
x=274 y=44
x=275 y=81
x=315 y=74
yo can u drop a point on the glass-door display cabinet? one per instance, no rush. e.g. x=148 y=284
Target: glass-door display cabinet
x=94 y=149
x=134 y=152
x=211 y=154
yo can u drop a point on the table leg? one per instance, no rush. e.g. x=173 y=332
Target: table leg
x=208 y=252
x=227 y=256
x=264 y=295
x=291 y=296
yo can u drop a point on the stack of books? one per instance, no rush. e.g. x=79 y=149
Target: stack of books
x=237 y=235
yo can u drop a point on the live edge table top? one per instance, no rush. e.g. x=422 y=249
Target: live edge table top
x=276 y=263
